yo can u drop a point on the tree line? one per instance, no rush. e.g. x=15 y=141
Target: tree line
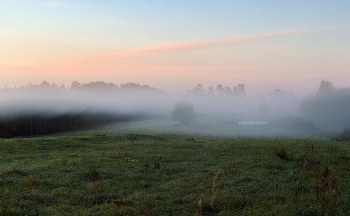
x=22 y=121
x=329 y=108
x=100 y=86
x=44 y=123
x=220 y=90
x=92 y=86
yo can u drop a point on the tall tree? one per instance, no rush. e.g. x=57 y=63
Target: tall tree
x=325 y=86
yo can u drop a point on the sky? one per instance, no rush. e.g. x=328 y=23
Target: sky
x=174 y=45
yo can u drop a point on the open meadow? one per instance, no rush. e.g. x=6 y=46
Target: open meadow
x=154 y=168
x=174 y=108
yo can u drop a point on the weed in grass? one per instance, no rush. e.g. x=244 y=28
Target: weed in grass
x=216 y=185
x=332 y=149
x=334 y=188
x=300 y=182
x=282 y=154
x=137 y=211
x=92 y=174
x=222 y=213
x=8 y=206
x=157 y=164
x=304 y=169
x=146 y=165
x=132 y=137
x=96 y=187
x=327 y=190
x=344 y=135
x=257 y=154
x=303 y=156
x=103 y=155
x=233 y=149
x=121 y=202
x=11 y=206
x=161 y=138
x=199 y=208
x=30 y=185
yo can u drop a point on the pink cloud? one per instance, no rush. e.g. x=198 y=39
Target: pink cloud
x=178 y=46
x=82 y=64
x=191 y=45
x=45 y=68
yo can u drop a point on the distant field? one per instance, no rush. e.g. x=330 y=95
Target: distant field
x=219 y=126
x=157 y=167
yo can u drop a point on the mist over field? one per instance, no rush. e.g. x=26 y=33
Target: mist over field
x=99 y=103
x=56 y=101
x=146 y=108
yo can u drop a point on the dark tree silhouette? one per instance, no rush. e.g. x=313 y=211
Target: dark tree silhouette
x=197 y=90
x=75 y=85
x=45 y=84
x=325 y=86
x=228 y=90
x=329 y=108
x=24 y=121
x=184 y=112
x=133 y=87
x=241 y=89
x=220 y=90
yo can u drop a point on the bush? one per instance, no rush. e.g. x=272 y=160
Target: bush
x=282 y=154
x=345 y=134
x=184 y=112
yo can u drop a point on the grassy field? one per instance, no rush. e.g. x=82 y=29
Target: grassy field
x=148 y=170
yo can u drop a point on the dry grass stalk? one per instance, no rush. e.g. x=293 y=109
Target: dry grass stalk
x=216 y=184
x=326 y=172
x=317 y=174
x=326 y=190
x=304 y=169
x=121 y=202
x=30 y=183
x=334 y=188
x=321 y=186
x=12 y=206
x=233 y=148
x=222 y=213
x=96 y=187
x=199 y=208
x=137 y=211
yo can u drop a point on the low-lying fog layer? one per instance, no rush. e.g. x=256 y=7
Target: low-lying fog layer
x=328 y=109
x=242 y=108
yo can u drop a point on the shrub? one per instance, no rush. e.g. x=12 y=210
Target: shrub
x=184 y=112
x=345 y=134
x=282 y=154
x=92 y=174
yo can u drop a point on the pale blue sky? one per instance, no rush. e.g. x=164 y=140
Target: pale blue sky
x=33 y=32
x=179 y=20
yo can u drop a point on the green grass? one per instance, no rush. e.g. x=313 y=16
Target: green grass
x=167 y=174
